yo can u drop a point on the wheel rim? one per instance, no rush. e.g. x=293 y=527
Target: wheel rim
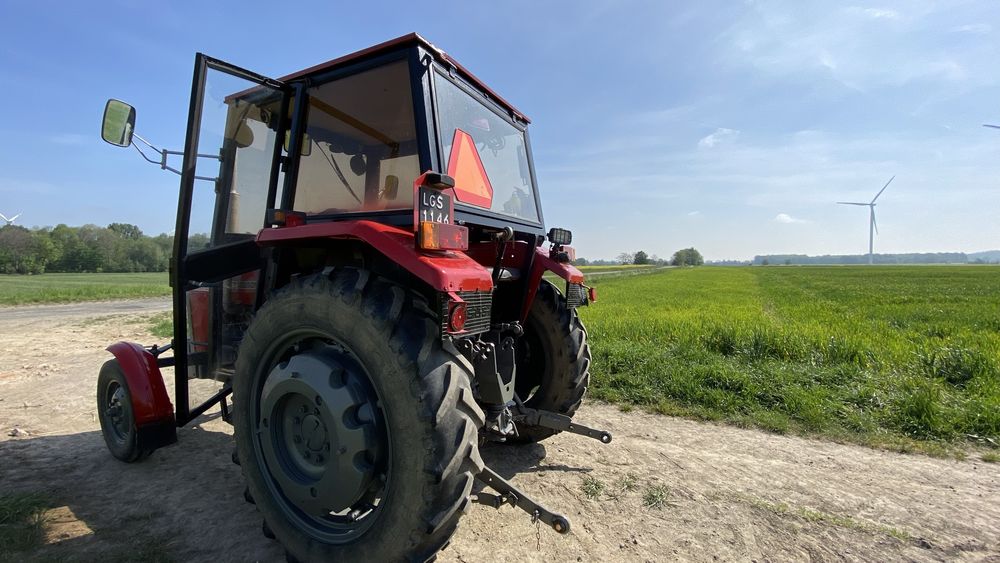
x=321 y=437
x=116 y=412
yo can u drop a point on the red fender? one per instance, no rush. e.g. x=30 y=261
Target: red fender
x=543 y=263
x=150 y=403
x=442 y=270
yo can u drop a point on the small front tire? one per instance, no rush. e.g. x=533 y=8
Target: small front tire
x=114 y=410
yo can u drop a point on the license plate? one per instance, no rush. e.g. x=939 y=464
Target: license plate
x=434 y=206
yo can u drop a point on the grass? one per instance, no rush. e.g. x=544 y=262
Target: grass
x=896 y=356
x=67 y=288
x=592 y=488
x=820 y=517
x=22 y=522
x=162 y=325
x=990 y=457
x=615 y=268
x=656 y=497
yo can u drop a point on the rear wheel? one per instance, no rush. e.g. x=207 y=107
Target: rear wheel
x=553 y=361
x=114 y=410
x=355 y=424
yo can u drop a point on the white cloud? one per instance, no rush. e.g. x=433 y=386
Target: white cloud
x=721 y=135
x=975 y=28
x=694 y=213
x=875 y=13
x=70 y=139
x=787 y=219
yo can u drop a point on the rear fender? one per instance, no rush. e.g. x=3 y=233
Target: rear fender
x=443 y=271
x=541 y=264
x=154 y=414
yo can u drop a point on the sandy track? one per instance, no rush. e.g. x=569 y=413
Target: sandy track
x=730 y=494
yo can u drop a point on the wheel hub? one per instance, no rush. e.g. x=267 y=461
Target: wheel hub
x=317 y=435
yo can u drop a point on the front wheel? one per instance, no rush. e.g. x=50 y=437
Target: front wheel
x=114 y=410
x=355 y=424
x=553 y=361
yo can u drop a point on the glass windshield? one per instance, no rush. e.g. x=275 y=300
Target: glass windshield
x=501 y=151
x=362 y=148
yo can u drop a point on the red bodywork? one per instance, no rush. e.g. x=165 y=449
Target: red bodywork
x=541 y=264
x=443 y=270
x=150 y=403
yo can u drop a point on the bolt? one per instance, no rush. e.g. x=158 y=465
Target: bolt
x=342 y=450
x=316 y=412
x=319 y=401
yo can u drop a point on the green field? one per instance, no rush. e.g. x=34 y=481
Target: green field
x=65 y=288
x=894 y=356
x=615 y=268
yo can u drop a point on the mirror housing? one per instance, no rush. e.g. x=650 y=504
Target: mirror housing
x=118 y=124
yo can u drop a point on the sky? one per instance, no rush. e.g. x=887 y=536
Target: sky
x=733 y=127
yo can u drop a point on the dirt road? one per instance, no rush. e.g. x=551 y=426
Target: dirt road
x=717 y=492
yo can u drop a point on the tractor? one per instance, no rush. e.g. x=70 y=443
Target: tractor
x=360 y=260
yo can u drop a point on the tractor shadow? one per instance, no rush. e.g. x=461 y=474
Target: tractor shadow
x=510 y=459
x=184 y=502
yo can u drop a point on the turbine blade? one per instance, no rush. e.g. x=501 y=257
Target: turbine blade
x=2 y=216
x=874 y=222
x=883 y=188
x=850 y=203
x=990 y=125
x=15 y=217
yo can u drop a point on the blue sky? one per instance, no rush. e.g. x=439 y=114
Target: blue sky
x=728 y=126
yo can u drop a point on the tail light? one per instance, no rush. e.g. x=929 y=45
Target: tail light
x=442 y=236
x=457 y=316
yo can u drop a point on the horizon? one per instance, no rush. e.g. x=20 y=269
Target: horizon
x=732 y=129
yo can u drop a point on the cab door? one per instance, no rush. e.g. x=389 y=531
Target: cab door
x=231 y=175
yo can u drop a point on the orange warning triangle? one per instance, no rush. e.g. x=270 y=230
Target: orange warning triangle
x=472 y=185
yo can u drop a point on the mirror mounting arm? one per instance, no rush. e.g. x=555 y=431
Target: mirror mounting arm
x=163 y=158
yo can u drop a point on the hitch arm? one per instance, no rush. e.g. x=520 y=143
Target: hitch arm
x=555 y=421
x=512 y=495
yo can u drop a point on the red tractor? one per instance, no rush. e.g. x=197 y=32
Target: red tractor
x=359 y=258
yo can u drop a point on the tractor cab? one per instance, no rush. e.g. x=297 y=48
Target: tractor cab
x=356 y=242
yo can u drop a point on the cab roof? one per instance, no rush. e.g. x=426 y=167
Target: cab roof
x=411 y=39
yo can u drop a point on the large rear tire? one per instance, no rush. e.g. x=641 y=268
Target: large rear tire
x=355 y=423
x=553 y=361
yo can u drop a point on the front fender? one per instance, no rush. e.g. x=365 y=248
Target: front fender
x=541 y=264
x=150 y=403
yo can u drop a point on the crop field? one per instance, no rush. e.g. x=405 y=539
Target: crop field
x=66 y=288
x=896 y=356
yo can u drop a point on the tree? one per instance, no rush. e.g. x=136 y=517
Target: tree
x=625 y=258
x=126 y=230
x=640 y=258
x=687 y=257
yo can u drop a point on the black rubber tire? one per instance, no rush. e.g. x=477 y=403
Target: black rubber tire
x=123 y=443
x=553 y=369
x=423 y=385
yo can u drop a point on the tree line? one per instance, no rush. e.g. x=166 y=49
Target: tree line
x=119 y=247
x=683 y=257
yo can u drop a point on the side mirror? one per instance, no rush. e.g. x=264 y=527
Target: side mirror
x=306 y=149
x=391 y=189
x=119 y=123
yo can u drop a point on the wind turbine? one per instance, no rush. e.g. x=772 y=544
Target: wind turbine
x=11 y=220
x=872 y=226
